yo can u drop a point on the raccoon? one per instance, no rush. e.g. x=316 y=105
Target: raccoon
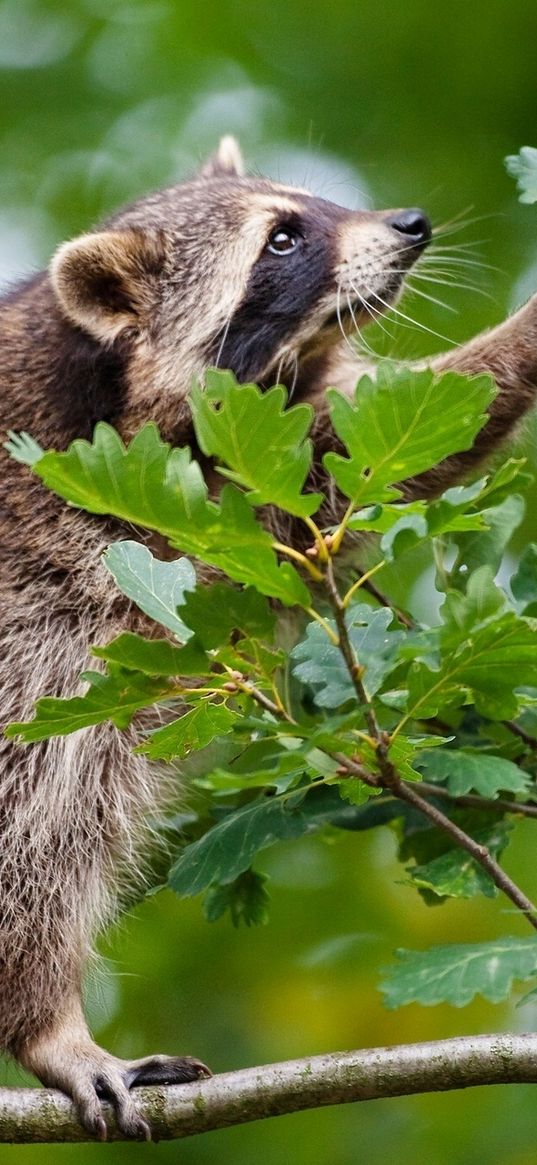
x=225 y=270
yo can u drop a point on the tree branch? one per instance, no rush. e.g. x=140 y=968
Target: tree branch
x=389 y=777
x=479 y=853
x=30 y=1115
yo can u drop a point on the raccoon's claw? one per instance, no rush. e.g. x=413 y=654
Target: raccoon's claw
x=111 y=1085
x=115 y=1083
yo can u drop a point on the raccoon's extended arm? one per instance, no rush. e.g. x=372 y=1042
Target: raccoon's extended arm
x=509 y=353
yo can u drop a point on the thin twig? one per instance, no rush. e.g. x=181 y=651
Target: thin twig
x=384 y=601
x=347 y=651
x=473 y=801
x=241 y=685
x=390 y=779
x=530 y=741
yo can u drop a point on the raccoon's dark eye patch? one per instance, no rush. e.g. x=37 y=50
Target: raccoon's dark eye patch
x=282 y=241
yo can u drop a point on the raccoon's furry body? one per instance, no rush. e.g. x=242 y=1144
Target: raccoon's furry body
x=223 y=270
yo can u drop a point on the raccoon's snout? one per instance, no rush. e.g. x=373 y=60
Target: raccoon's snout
x=413 y=225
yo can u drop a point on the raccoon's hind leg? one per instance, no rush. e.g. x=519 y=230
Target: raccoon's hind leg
x=66 y=1057
x=509 y=353
x=73 y=822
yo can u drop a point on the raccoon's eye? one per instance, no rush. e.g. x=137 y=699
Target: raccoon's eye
x=282 y=241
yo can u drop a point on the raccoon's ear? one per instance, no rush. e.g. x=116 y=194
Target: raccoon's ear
x=227 y=161
x=105 y=282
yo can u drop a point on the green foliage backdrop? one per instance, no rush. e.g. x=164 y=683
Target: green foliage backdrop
x=403 y=105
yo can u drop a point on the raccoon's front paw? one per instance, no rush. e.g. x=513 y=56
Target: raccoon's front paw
x=89 y=1075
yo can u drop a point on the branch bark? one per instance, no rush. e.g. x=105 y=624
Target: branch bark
x=42 y=1115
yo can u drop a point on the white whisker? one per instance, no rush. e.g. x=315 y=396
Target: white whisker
x=340 y=321
x=223 y=340
x=361 y=338
x=409 y=322
x=451 y=281
x=431 y=298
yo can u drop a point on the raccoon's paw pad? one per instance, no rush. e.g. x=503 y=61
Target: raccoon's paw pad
x=164 y=1070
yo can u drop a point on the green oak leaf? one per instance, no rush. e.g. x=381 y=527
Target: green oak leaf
x=214 y=612
x=163 y=489
x=485 y=669
x=247 y=900
x=524 y=581
x=379 y=519
x=402 y=424
x=252 y=658
x=455 y=874
x=259 y=442
x=403 y=536
x=511 y=477
x=479 y=772
x=355 y=791
x=464 y=613
x=158 y=588
x=190 y=732
x=229 y=848
x=458 y=972
x=459 y=508
x=486 y=547
x=155 y=657
x=320 y=663
x=115 y=696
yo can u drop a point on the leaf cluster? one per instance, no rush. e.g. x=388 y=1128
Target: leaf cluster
x=328 y=732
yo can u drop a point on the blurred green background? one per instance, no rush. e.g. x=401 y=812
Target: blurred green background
x=386 y=104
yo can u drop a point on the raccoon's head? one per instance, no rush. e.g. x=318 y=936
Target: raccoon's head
x=233 y=271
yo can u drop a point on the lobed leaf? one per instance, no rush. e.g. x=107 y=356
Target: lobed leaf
x=162 y=489
x=214 y=612
x=487 y=546
x=524 y=581
x=321 y=665
x=483 y=649
x=456 y=973
x=155 y=657
x=157 y=588
x=229 y=848
x=190 y=732
x=455 y=874
x=402 y=424
x=246 y=898
x=259 y=442
x=477 y=771
x=115 y=696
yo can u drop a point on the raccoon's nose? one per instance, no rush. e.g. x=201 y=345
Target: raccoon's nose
x=413 y=225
